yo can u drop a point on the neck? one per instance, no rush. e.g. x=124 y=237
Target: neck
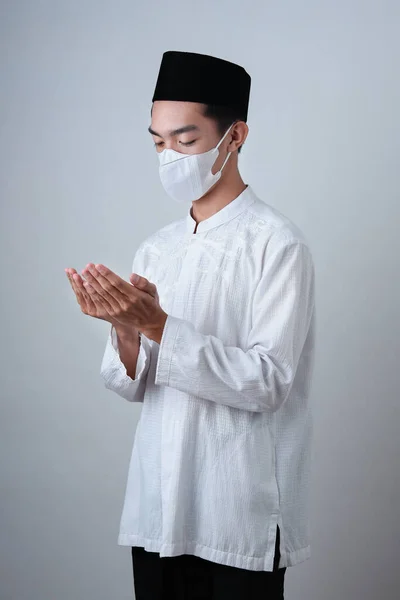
x=224 y=191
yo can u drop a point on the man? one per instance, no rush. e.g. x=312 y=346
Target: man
x=216 y=339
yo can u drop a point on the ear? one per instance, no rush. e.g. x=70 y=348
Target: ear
x=239 y=132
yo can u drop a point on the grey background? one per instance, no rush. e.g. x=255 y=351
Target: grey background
x=79 y=183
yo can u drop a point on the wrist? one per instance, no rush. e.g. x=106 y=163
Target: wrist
x=155 y=333
x=126 y=334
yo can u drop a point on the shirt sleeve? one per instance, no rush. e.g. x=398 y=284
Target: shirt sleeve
x=258 y=377
x=113 y=370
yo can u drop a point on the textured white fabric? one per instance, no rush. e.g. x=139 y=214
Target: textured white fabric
x=114 y=371
x=222 y=450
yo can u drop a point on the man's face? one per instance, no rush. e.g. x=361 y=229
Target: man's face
x=181 y=126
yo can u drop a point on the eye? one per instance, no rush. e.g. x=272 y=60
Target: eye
x=158 y=144
x=188 y=143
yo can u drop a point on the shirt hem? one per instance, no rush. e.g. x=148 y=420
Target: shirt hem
x=252 y=563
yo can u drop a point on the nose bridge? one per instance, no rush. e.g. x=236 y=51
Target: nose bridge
x=169 y=144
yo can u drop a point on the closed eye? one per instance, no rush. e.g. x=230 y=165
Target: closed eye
x=158 y=144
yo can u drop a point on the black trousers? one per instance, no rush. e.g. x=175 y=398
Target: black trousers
x=189 y=577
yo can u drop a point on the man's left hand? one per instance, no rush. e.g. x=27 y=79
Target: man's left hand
x=132 y=304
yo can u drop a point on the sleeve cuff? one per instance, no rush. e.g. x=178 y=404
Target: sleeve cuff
x=141 y=360
x=166 y=349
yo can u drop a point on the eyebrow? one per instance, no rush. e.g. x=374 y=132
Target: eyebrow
x=174 y=132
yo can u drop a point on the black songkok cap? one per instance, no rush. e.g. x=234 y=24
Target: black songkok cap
x=192 y=77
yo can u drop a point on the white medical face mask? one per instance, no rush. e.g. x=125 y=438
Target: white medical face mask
x=187 y=177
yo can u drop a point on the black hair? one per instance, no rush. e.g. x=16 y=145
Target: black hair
x=224 y=116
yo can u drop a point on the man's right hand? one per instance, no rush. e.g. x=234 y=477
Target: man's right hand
x=87 y=306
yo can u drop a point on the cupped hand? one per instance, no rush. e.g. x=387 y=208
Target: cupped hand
x=107 y=296
x=85 y=300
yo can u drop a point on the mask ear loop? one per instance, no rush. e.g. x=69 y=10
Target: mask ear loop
x=224 y=136
x=225 y=161
x=220 y=142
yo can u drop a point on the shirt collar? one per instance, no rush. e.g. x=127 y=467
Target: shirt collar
x=232 y=209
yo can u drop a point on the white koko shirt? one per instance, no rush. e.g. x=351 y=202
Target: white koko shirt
x=222 y=450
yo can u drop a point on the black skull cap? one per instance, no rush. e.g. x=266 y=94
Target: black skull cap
x=193 y=77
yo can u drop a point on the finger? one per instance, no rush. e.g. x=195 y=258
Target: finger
x=74 y=283
x=82 y=294
x=111 y=282
x=143 y=284
x=96 y=300
x=106 y=290
x=69 y=275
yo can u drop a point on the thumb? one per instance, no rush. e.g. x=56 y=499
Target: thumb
x=143 y=284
